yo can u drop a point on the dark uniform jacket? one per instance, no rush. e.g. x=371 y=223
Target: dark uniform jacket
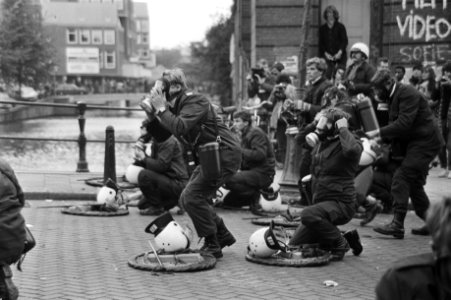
x=313 y=95
x=410 y=118
x=193 y=121
x=167 y=158
x=12 y=224
x=334 y=166
x=361 y=81
x=416 y=277
x=258 y=153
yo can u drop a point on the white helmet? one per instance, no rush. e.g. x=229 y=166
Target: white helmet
x=360 y=47
x=369 y=154
x=169 y=235
x=172 y=238
x=270 y=198
x=132 y=172
x=264 y=242
x=106 y=195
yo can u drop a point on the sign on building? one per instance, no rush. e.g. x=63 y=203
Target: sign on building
x=417 y=31
x=82 y=60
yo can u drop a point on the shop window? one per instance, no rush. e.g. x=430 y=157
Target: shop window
x=110 y=60
x=71 y=36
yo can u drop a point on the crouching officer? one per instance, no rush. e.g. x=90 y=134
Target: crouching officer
x=191 y=118
x=257 y=167
x=415 y=141
x=335 y=162
x=165 y=173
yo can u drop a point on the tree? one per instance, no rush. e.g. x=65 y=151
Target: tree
x=168 y=57
x=211 y=60
x=25 y=50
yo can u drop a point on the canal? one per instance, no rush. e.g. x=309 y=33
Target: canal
x=62 y=155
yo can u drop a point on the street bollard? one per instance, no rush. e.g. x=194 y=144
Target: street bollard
x=82 y=164
x=109 y=170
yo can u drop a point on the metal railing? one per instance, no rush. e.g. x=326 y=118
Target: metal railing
x=81 y=107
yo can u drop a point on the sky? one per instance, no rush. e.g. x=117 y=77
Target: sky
x=178 y=22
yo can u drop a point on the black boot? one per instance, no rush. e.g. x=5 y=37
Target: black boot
x=8 y=291
x=353 y=238
x=372 y=208
x=211 y=245
x=225 y=237
x=423 y=230
x=394 y=228
x=340 y=247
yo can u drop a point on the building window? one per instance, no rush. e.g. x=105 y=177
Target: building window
x=110 y=60
x=71 y=36
x=109 y=37
x=85 y=37
x=96 y=36
x=144 y=53
x=144 y=39
x=144 y=26
x=138 y=39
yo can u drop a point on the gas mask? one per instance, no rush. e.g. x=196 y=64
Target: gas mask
x=325 y=129
x=163 y=84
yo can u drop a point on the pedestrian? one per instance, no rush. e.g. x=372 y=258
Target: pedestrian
x=359 y=73
x=12 y=229
x=309 y=107
x=257 y=167
x=335 y=162
x=333 y=40
x=191 y=118
x=425 y=276
x=415 y=141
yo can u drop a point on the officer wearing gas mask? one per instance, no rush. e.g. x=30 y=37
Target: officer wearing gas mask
x=415 y=141
x=335 y=162
x=191 y=118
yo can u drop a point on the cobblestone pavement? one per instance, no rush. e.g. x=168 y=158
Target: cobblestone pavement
x=86 y=258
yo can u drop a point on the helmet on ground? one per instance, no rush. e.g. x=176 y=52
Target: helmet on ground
x=132 y=172
x=361 y=47
x=369 y=155
x=270 y=198
x=169 y=235
x=106 y=195
x=265 y=242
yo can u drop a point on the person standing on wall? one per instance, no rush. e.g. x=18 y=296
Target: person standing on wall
x=333 y=41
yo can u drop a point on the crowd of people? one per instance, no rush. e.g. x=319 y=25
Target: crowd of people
x=194 y=153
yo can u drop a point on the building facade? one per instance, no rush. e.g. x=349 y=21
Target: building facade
x=98 y=42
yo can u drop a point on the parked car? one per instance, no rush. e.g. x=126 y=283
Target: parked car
x=69 y=89
x=25 y=93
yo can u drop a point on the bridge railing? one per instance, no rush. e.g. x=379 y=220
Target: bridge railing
x=81 y=107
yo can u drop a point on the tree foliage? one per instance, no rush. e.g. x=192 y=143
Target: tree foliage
x=168 y=57
x=210 y=64
x=25 y=50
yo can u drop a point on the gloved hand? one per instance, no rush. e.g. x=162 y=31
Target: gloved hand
x=302 y=105
x=341 y=123
x=157 y=99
